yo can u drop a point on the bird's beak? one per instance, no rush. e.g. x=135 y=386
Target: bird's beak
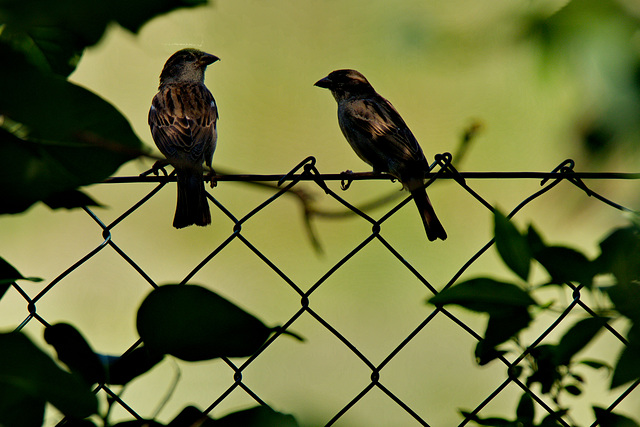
x=208 y=59
x=326 y=83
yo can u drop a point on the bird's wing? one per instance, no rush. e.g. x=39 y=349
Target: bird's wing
x=184 y=126
x=389 y=133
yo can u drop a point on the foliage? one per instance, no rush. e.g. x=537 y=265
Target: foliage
x=8 y=275
x=193 y=323
x=29 y=379
x=56 y=136
x=189 y=322
x=594 y=39
x=511 y=306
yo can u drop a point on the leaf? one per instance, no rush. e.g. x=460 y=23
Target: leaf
x=609 y=419
x=596 y=364
x=492 y=422
x=19 y=408
x=51 y=49
x=121 y=370
x=578 y=378
x=69 y=200
x=259 y=416
x=193 y=323
x=74 y=351
x=500 y=328
x=566 y=265
x=8 y=275
x=620 y=254
x=534 y=240
x=626 y=299
x=505 y=303
x=525 y=411
x=485 y=353
x=191 y=416
x=627 y=367
x=573 y=390
x=503 y=327
x=31 y=373
x=60 y=30
x=292 y=334
x=546 y=369
x=512 y=246
x=485 y=295
x=58 y=138
x=551 y=419
x=577 y=337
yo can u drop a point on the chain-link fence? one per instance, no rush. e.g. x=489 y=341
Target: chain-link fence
x=307 y=172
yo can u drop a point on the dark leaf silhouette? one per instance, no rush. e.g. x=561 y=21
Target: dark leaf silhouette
x=121 y=370
x=577 y=337
x=566 y=265
x=33 y=378
x=506 y=304
x=193 y=323
x=610 y=419
x=8 y=275
x=260 y=416
x=63 y=136
x=512 y=246
x=70 y=199
x=60 y=30
x=485 y=295
x=627 y=368
x=75 y=352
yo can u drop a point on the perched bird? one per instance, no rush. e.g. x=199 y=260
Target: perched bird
x=183 y=118
x=380 y=137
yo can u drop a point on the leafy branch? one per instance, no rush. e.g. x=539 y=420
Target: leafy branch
x=188 y=322
x=512 y=306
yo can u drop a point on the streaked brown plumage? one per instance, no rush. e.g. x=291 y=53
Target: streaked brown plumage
x=380 y=137
x=183 y=118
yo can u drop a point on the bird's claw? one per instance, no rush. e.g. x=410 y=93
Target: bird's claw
x=346 y=182
x=211 y=177
x=156 y=168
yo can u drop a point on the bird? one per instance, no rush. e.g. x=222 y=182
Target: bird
x=381 y=138
x=183 y=118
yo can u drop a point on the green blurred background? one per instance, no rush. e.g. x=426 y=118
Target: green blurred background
x=444 y=65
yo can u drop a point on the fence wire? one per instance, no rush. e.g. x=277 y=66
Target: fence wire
x=306 y=171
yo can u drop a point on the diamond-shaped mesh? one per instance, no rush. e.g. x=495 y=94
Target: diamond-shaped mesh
x=371 y=367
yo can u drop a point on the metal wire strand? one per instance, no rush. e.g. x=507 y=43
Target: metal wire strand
x=306 y=171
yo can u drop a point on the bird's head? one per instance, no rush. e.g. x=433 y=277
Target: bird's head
x=345 y=83
x=186 y=66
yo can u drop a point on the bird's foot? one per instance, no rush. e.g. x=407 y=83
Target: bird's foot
x=158 y=166
x=211 y=177
x=346 y=182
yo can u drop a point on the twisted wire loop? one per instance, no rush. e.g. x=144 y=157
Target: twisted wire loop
x=307 y=171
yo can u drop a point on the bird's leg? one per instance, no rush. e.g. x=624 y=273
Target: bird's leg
x=157 y=166
x=346 y=182
x=211 y=177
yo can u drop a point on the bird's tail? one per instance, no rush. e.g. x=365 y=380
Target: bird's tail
x=192 y=206
x=432 y=224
